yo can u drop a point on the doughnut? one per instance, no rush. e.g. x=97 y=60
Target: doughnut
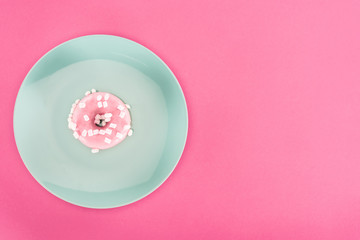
x=100 y=120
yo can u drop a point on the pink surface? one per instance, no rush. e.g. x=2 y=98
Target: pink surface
x=283 y=160
x=92 y=109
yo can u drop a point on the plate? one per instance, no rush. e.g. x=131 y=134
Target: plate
x=113 y=177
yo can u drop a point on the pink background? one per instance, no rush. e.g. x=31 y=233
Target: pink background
x=273 y=90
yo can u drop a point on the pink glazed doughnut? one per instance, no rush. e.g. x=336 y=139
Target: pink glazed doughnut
x=100 y=120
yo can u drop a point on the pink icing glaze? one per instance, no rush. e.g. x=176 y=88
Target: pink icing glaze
x=91 y=109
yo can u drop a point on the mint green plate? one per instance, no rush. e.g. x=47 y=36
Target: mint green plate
x=130 y=170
